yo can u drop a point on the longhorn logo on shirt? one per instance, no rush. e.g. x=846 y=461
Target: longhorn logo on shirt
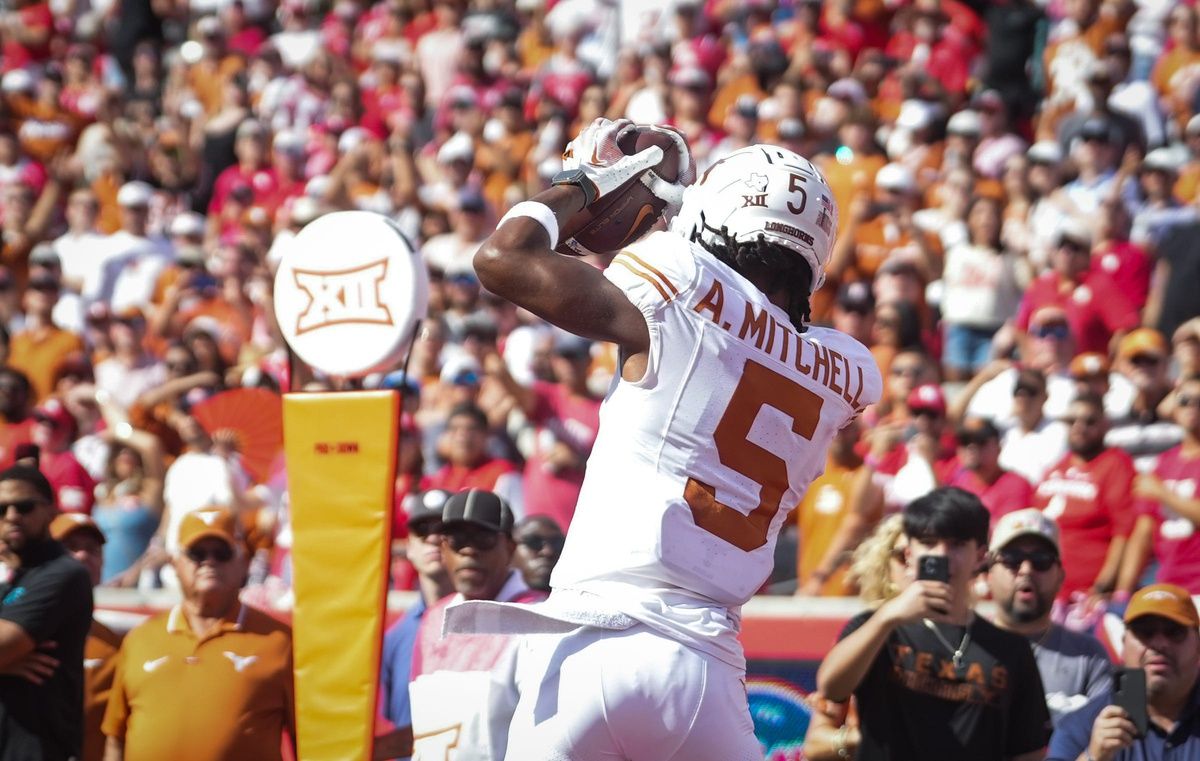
x=240 y=662
x=436 y=746
x=342 y=296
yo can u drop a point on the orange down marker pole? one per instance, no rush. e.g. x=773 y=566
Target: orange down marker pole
x=341 y=461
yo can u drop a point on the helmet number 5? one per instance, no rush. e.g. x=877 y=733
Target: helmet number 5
x=759 y=386
x=796 y=185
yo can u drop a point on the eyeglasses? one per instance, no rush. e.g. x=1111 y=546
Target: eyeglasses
x=425 y=529
x=1057 y=330
x=1145 y=360
x=926 y=411
x=476 y=537
x=1086 y=420
x=1188 y=401
x=538 y=543
x=219 y=554
x=906 y=372
x=22 y=506
x=1147 y=630
x=1026 y=391
x=1041 y=560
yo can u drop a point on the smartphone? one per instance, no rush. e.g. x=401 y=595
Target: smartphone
x=1129 y=692
x=933 y=568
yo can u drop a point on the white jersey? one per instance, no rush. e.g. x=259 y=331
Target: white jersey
x=698 y=463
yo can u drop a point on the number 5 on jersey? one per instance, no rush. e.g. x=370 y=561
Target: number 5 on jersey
x=759 y=386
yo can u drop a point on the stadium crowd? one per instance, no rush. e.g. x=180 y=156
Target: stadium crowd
x=1019 y=246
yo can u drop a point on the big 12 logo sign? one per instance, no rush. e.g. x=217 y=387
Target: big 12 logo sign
x=349 y=290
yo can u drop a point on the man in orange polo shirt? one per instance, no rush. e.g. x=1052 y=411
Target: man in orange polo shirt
x=212 y=676
x=84 y=541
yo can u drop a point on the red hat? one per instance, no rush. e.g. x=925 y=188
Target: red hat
x=54 y=412
x=927 y=397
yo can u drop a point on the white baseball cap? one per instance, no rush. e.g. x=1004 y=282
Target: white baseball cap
x=135 y=193
x=1045 y=152
x=1027 y=522
x=186 y=225
x=965 y=123
x=896 y=177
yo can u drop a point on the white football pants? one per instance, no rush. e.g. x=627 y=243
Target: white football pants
x=627 y=695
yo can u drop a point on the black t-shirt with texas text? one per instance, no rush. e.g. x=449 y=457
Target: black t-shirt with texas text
x=50 y=597
x=915 y=705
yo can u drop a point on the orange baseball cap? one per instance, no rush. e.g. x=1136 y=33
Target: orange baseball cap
x=65 y=524
x=215 y=522
x=1166 y=600
x=1142 y=341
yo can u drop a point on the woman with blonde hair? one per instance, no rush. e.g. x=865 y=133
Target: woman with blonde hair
x=879 y=571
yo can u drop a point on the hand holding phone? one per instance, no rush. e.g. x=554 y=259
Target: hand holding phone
x=1129 y=693
x=933 y=568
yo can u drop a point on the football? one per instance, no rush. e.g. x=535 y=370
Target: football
x=627 y=213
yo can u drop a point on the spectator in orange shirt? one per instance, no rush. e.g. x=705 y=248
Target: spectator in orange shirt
x=41 y=349
x=84 y=541
x=233 y=663
x=828 y=505
x=1174 y=75
x=884 y=230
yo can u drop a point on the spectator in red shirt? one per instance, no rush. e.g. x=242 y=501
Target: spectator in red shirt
x=1126 y=262
x=1168 y=504
x=979 y=470
x=26 y=33
x=1088 y=494
x=54 y=432
x=251 y=169
x=469 y=466
x=16 y=424
x=1096 y=309
x=910 y=459
x=566 y=418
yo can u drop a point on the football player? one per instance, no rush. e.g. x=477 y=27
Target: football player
x=724 y=406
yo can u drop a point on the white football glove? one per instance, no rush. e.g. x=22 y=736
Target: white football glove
x=601 y=159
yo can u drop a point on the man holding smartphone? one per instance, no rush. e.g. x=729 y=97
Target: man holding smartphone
x=1161 y=639
x=932 y=679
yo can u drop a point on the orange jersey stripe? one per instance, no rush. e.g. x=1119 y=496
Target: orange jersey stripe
x=627 y=265
x=661 y=276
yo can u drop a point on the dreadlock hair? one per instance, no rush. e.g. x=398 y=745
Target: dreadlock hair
x=761 y=257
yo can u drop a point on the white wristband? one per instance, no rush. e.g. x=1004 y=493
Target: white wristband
x=538 y=212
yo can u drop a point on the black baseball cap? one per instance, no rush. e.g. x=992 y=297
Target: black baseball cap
x=856 y=297
x=426 y=505
x=483 y=508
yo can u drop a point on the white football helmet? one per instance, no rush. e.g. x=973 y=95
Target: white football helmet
x=763 y=190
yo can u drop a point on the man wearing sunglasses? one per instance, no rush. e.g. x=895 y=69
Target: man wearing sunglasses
x=210 y=679
x=423 y=549
x=46 y=598
x=462 y=689
x=539 y=543
x=1024 y=577
x=1161 y=638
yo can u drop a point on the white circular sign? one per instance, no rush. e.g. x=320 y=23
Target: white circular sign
x=348 y=293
